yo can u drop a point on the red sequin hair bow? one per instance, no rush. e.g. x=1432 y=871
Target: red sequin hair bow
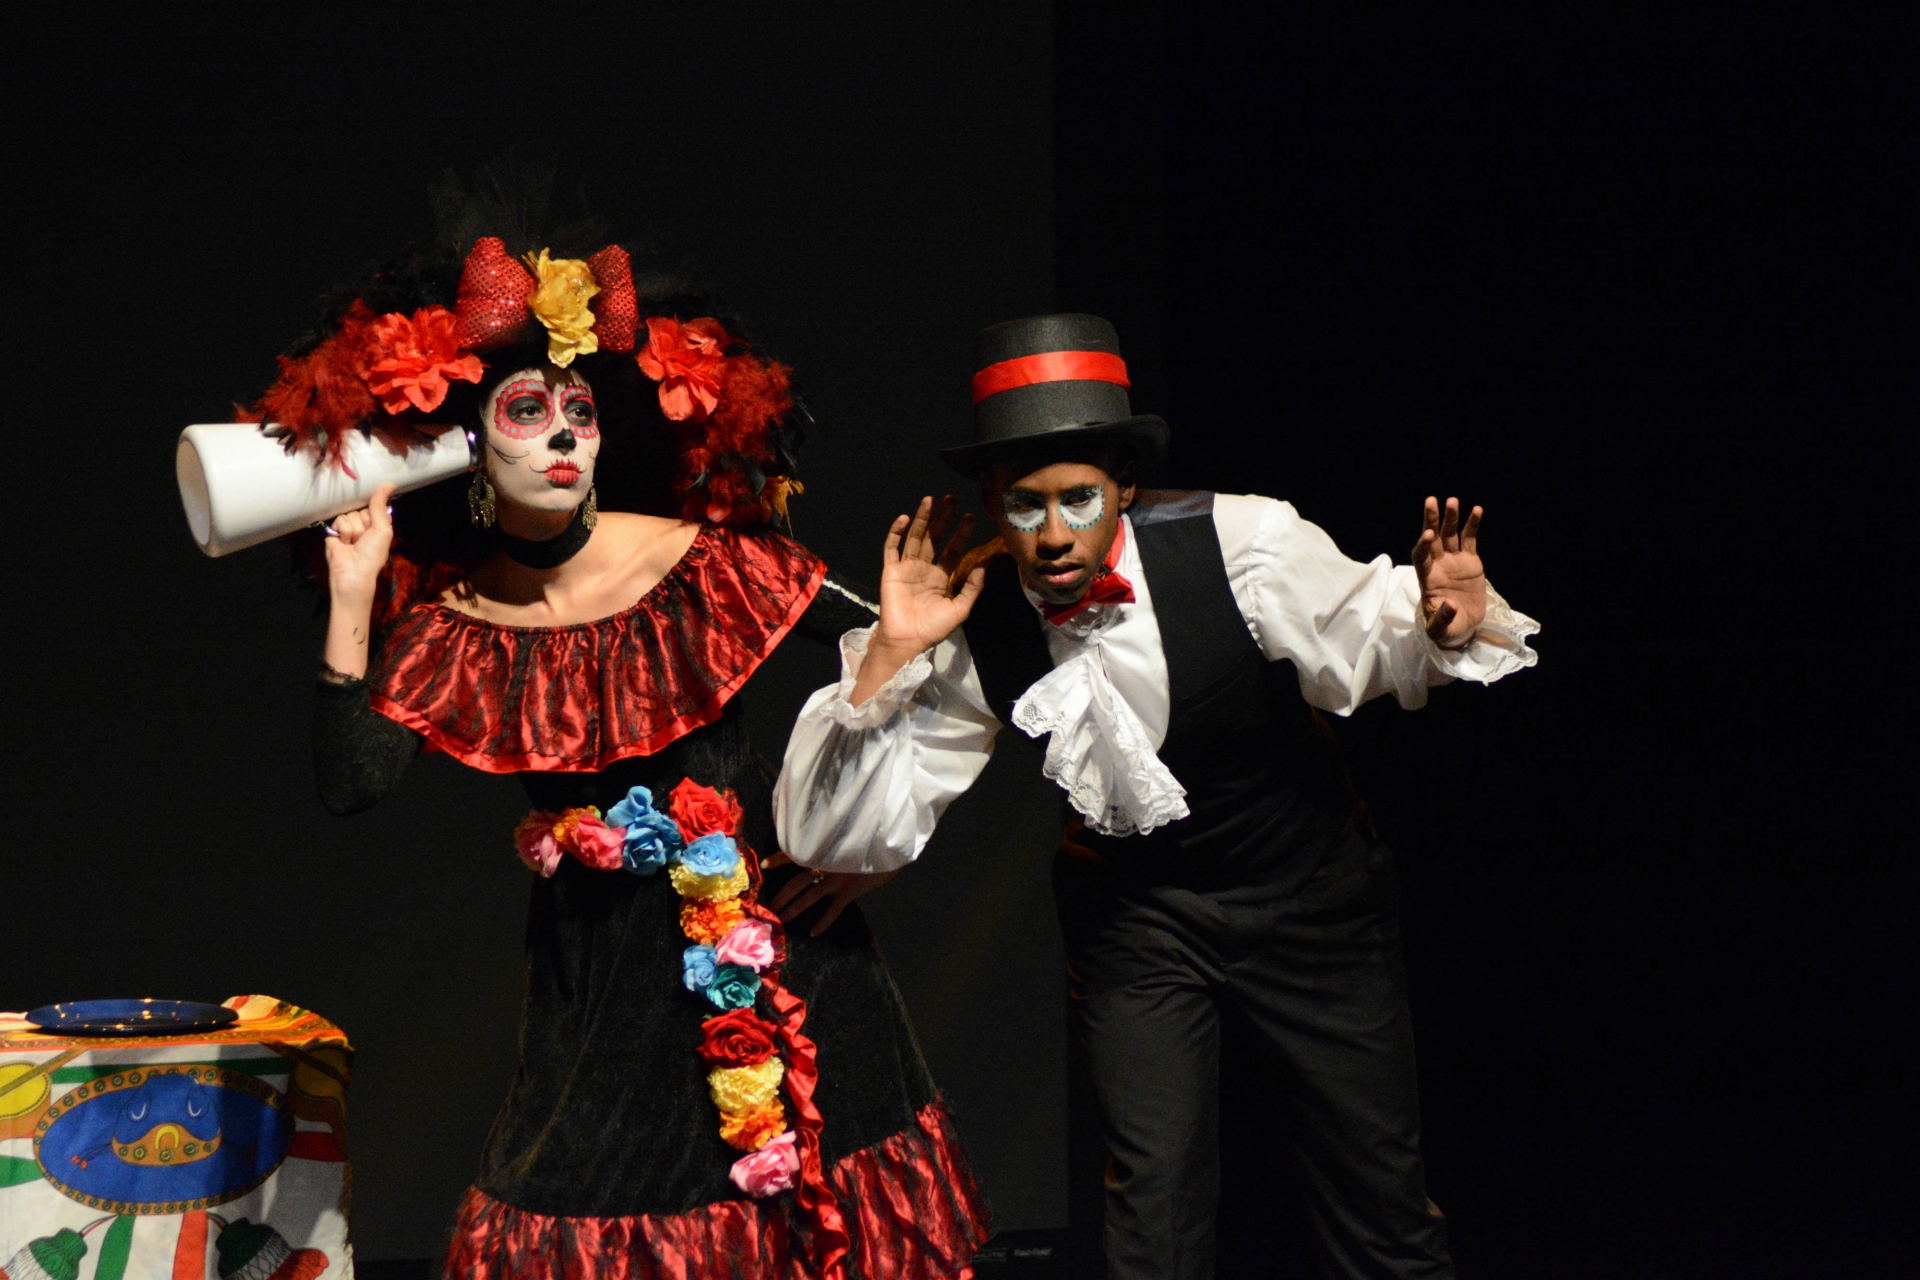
x=494 y=305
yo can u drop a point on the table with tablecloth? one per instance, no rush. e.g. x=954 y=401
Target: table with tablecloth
x=217 y=1155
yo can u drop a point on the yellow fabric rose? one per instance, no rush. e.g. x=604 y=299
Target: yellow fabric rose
x=738 y=1090
x=691 y=884
x=559 y=302
x=752 y=1130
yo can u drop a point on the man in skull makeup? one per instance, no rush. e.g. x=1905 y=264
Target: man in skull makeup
x=1178 y=648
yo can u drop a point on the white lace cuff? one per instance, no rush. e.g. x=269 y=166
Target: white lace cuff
x=1499 y=647
x=1099 y=752
x=888 y=698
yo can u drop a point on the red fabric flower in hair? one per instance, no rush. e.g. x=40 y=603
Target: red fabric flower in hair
x=416 y=357
x=688 y=361
x=701 y=811
x=737 y=1038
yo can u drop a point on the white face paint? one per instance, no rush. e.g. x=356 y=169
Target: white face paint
x=1080 y=508
x=543 y=439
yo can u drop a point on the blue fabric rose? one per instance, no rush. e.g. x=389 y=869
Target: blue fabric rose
x=702 y=967
x=711 y=855
x=652 y=840
x=733 y=986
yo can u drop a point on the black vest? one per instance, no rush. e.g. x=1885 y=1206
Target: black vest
x=1267 y=795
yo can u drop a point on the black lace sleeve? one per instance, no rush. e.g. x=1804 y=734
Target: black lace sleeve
x=836 y=610
x=358 y=754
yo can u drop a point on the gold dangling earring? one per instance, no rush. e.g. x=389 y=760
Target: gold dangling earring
x=590 y=515
x=480 y=501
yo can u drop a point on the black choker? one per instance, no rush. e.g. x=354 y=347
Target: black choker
x=552 y=553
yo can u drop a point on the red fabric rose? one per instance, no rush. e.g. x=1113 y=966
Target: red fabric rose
x=415 y=357
x=688 y=361
x=701 y=811
x=739 y=1038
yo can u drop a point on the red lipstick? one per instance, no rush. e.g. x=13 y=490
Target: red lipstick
x=563 y=474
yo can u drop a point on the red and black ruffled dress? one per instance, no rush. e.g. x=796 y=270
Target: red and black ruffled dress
x=606 y=1159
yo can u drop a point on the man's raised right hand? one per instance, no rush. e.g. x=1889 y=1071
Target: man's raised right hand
x=918 y=607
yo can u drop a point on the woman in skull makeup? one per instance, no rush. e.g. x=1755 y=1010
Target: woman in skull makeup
x=703 y=1088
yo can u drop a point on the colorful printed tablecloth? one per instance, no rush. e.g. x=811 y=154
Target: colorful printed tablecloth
x=215 y=1156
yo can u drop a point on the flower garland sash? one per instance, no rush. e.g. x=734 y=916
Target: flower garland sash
x=737 y=952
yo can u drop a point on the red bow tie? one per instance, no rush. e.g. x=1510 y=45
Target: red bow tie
x=1109 y=586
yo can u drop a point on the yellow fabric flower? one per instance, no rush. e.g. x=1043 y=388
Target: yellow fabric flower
x=738 y=1090
x=691 y=884
x=559 y=302
x=708 y=920
x=753 y=1130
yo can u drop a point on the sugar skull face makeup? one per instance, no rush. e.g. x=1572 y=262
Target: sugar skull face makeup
x=543 y=438
x=1058 y=522
x=1080 y=508
x=526 y=407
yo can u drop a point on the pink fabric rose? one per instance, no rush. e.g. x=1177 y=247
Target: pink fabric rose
x=770 y=1170
x=748 y=943
x=533 y=841
x=599 y=845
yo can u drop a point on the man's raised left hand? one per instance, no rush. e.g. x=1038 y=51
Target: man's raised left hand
x=1453 y=583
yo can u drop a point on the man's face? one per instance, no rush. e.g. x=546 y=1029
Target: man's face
x=1058 y=521
x=543 y=438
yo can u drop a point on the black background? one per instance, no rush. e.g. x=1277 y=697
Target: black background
x=1641 y=284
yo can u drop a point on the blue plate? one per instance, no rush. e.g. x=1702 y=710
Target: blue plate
x=130 y=1017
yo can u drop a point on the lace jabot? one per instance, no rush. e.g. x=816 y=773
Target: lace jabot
x=575 y=699
x=1099 y=753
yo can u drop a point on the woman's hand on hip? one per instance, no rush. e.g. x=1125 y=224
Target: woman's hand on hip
x=835 y=888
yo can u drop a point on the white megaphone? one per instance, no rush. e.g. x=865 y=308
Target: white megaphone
x=241 y=487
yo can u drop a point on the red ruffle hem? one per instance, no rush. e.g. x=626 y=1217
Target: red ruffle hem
x=565 y=699
x=909 y=1202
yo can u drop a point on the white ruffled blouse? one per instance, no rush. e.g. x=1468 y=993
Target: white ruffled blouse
x=862 y=787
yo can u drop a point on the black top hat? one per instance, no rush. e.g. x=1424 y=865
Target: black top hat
x=1050 y=378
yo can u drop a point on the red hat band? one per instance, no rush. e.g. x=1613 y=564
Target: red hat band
x=1050 y=366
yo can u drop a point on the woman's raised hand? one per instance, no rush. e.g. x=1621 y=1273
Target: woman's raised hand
x=918 y=608
x=357 y=547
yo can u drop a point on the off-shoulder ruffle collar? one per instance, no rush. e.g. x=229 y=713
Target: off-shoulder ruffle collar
x=574 y=699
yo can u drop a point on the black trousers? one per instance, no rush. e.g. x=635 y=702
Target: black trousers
x=1316 y=975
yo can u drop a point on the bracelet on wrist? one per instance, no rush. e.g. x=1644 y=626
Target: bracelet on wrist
x=333 y=675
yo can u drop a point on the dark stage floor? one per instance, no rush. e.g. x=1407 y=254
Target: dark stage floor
x=1012 y=1255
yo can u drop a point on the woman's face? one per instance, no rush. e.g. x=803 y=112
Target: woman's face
x=543 y=438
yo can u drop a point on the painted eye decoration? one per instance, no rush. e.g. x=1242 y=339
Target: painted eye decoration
x=1079 y=509
x=523 y=409
x=1082 y=508
x=1026 y=519
x=577 y=407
